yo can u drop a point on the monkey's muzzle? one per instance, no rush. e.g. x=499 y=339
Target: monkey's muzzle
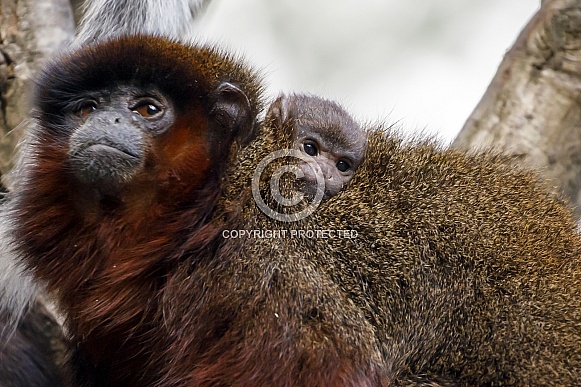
x=107 y=153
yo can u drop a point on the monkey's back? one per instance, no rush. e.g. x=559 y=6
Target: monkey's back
x=467 y=267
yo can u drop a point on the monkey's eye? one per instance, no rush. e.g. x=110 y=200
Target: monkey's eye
x=310 y=148
x=87 y=108
x=343 y=166
x=147 y=109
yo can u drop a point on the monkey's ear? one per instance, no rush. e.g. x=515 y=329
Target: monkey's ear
x=279 y=110
x=232 y=111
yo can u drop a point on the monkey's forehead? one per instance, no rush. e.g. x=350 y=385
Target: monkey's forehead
x=336 y=131
x=182 y=71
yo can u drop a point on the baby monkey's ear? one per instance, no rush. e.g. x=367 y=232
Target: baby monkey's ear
x=279 y=111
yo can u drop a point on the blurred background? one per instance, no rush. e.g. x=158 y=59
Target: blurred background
x=422 y=63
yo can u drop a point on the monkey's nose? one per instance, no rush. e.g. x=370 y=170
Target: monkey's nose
x=327 y=172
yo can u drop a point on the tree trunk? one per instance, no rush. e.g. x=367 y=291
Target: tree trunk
x=532 y=108
x=29 y=30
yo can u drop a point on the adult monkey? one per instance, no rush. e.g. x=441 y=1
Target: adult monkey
x=29 y=361
x=462 y=271
x=102 y=19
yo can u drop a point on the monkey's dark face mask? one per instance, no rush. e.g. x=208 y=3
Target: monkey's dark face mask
x=131 y=134
x=113 y=128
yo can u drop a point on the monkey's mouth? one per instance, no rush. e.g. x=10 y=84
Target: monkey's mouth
x=100 y=150
x=99 y=163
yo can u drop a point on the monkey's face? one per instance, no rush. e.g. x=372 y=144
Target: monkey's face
x=326 y=135
x=130 y=138
x=337 y=163
x=112 y=130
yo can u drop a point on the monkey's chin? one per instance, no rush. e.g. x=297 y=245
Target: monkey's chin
x=311 y=190
x=104 y=165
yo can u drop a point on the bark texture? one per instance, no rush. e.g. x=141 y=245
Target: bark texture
x=29 y=30
x=532 y=108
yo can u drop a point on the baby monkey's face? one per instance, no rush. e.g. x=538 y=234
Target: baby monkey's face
x=338 y=161
x=326 y=135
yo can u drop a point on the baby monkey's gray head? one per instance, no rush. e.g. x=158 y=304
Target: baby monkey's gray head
x=324 y=132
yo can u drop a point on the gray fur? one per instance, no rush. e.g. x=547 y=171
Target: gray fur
x=104 y=19
x=17 y=288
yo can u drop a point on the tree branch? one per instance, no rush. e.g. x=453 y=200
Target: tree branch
x=29 y=30
x=532 y=108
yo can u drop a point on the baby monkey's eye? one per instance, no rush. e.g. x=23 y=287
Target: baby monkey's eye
x=147 y=109
x=310 y=148
x=343 y=166
x=87 y=108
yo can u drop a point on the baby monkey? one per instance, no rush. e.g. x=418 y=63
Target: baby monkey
x=324 y=132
